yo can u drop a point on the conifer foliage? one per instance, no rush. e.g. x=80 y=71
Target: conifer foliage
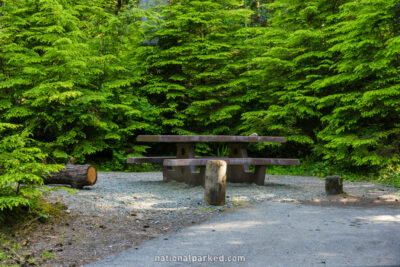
x=21 y=169
x=363 y=126
x=83 y=78
x=66 y=77
x=191 y=72
x=329 y=80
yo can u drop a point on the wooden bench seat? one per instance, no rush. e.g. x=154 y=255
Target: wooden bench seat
x=257 y=177
x=230 y=161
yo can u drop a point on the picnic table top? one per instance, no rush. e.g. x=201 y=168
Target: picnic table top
x=210 y=138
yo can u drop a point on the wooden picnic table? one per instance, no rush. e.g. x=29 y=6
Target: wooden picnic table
x=183 y=167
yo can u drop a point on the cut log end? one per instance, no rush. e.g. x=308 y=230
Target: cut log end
x=92 y=175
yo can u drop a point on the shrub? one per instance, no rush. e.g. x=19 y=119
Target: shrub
x=390 y=175
x=22 y=170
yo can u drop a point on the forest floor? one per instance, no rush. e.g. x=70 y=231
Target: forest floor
x=124 y=210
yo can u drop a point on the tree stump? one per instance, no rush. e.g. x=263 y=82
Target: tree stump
x=334 y=185
x=215 y=183
x=77 y=176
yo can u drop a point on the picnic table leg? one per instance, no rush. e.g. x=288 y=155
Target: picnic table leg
x=259 y=174
x=166 y=170
x=238 y=173
x=187 y=174
x=185 y=151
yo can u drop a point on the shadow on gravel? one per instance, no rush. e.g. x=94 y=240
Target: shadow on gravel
x=149 y=183
x=348 y=201
x=282 y=186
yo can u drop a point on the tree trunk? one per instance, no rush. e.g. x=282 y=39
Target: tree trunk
x=77 y=176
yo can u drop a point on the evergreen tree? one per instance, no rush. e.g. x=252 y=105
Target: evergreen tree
x=363 y=94
x=65 y=75
x=328 y=79
x=295 y=55
x=115 y=39
x=191 y=73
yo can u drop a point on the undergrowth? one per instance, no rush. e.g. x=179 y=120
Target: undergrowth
x=20 y=222
x=390 y=175
x=110 y=166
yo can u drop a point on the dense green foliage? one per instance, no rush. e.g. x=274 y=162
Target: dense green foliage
x=22 y=170
x=67 y=76
x=329 y=79
x=195 y=67
x=83 y=78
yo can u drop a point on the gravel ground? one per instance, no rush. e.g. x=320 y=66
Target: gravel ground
x=124 y=193
x=123 y=210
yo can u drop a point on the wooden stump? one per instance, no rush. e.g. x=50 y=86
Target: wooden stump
x=215 y=182
x=77 y=176
x=334 y=185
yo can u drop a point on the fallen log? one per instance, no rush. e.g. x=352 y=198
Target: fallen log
x=77 y=176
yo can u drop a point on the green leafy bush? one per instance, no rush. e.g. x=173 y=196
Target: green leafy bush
x=390 y=175
x=22 y=170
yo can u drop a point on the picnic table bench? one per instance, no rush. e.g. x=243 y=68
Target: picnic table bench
x=182 y=167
